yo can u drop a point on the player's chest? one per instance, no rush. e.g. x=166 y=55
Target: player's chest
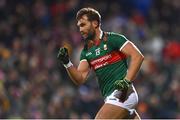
x=98 y=51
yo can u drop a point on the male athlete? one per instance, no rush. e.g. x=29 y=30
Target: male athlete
x=106 y=53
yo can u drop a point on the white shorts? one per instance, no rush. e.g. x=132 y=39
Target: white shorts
x=129 y=103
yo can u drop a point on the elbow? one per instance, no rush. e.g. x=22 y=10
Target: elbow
x=141 y=58
x=138 y=57
x=78 y=83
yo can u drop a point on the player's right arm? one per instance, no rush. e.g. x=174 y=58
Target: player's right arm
x=77 y=75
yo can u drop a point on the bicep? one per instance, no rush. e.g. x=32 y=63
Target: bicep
x=84 y=68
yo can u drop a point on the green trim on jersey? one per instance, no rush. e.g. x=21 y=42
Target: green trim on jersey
x=108 y=62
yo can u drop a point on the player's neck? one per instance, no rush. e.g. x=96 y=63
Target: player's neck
x=97 y=39
x=98 y=34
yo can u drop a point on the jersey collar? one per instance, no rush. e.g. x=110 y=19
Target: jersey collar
x=101 y=34
x=97 y=42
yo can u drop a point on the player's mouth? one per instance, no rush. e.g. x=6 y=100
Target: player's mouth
x=84 y=35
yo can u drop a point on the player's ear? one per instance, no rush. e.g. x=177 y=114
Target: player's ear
x=95 y=24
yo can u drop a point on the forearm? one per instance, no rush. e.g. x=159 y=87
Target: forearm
x=75 y=75
x=135 y=64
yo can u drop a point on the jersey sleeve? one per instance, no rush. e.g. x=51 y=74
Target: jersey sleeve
x=118 y=41
x=83 y=56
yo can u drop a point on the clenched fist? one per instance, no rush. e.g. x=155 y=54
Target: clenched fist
x=63 y=56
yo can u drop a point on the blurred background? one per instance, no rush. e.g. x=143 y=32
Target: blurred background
x=33 y=85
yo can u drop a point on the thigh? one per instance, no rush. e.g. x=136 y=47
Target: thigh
x=109 y=111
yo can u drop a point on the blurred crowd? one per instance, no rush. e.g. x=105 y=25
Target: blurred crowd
x=33 y=84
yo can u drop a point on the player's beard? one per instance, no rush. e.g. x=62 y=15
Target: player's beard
x=91 y=36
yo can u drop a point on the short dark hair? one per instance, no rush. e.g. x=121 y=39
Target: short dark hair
x=91 y=14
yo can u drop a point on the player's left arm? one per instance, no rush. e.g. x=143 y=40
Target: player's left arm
x=136 y=59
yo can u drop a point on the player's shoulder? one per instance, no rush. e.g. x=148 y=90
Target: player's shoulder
x=83 y=53
x=116 y=35
x=84 y=50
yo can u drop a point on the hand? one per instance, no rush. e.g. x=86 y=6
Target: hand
x=63 y=56
x=122 y=85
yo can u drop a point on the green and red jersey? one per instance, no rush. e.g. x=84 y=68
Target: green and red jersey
x=108 y=62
